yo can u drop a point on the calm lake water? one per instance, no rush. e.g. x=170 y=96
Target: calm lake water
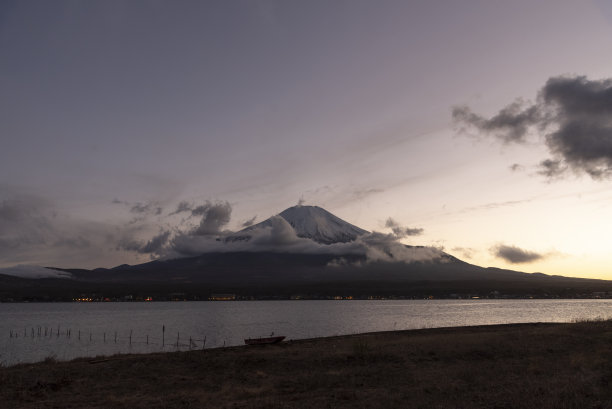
x=29 y=332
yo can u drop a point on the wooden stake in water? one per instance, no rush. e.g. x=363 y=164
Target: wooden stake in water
x=163 y=335
x=130 y=337
x=204 y=343
x=115 y=337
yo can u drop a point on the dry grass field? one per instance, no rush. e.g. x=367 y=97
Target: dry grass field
x=505 y=366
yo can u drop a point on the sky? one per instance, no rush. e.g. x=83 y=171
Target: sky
x=479 y=127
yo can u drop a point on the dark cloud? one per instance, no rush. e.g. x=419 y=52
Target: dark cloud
x=21 y=208
x=400 y=231
x=360 y=194
x=153 y=246
x=146 y=208
x=183 y=207
x=141 y=209
x=408 y=231
x=551 y=169
x=129 y=244
x=156 y=243
x=582 y=110
x=515 y=255
x=515 y=167
x=510 y=125
x=574 y=114
x=25 y=221
x=466 y=252
x=249 y=222
x=33 y=231
x=190 y=241
x=79 y=242
x=214 y=217
x=200 y=210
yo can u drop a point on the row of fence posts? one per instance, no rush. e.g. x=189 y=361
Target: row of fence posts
x=48 y=332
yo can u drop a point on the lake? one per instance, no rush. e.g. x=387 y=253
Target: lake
x=31 y=332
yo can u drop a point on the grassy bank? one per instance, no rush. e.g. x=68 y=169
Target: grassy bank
x=506 y=366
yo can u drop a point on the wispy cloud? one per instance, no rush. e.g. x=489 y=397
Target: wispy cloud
x=465 y=252
x=516 y=167
x=33 y=230
x=516 y=255
x=401 y=231
x=249 y=222
x=141 y=209
x=214 y=217
x=510 y=125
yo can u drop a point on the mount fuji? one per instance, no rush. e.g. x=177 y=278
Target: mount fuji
x=302 y=250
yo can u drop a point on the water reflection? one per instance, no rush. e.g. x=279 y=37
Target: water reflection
x=105 y=328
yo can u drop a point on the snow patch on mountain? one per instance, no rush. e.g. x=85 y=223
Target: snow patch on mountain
x=33 y=272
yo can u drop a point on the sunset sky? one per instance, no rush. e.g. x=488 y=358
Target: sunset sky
x=113 y=113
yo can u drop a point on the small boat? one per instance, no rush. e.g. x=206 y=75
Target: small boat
x=262 y=341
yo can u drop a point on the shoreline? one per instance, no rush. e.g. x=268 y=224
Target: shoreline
x=543 y=365
x=608 y=296
x=288 y=341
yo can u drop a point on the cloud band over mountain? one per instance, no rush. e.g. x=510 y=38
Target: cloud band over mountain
x=278 y=235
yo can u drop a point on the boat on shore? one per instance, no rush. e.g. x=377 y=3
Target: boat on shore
x=263 y=341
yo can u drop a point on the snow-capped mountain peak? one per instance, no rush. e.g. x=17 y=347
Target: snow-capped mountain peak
x=318 y=224
x=310 y=222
